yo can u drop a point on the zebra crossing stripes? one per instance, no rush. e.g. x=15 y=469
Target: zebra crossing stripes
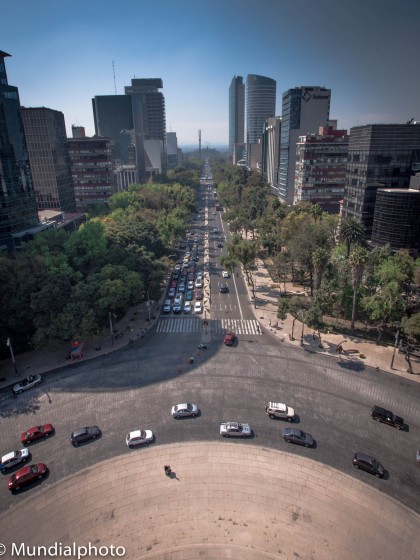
x=178 y=324
x=239 y=326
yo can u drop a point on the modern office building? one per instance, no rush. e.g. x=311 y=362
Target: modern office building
x=141 y=110
x=45 y=132
x=381 y=156
x=304 y=110
x=397 y=219
x=321 y=168
x=91 y=168
x=236 y=113
x=171 y=150
x=260 y=105
x=18 y=211
x=239 y=154
x=271 y=151
x=113 y=116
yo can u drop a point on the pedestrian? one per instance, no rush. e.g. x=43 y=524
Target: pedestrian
x=270 y=323
x=168 y=470
x=313 y=335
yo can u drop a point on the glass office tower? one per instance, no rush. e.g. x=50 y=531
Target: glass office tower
x=260 y=105
x=236 y=113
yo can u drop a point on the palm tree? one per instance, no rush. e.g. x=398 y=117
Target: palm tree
x=357 y=259
x=320 y=260
x=351 y=233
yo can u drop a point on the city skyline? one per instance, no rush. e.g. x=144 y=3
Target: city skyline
x=63 y=56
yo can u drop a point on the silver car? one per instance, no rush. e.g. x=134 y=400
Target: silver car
x=235 y=429
x=184 y=409
x=139 y=437
x=14 y=458
x=28 y=383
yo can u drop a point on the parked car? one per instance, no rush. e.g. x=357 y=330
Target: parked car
x=177 y=307
x=26 y=475
x=181 y=287
x=368 y=464
x=173 y=284
x=189 y=295
x=293 y=435
x=28 y=383
x=198 y=308
x=171 y=292
x=225 y=274
x=14 y=458
x=190 y=285
x=229 y=338
x=84 y=434
x=280 y=410
x=199 y=282
x=220 y=245
x=198 y=294
x=187 y=307
x=178 y=298
x=387 y=417
x=223 y=288
x=139 y=437
x=37 y=432
x=235 y=429
x=184 y=409
x=167 y=306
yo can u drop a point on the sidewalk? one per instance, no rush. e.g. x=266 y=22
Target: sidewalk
x=376 y=356
x=134 y=325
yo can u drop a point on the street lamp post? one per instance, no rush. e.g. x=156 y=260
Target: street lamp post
x=397 y=334
x=9 y=344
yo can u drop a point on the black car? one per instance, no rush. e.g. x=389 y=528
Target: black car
x=368 y=464
x=85 y=434
x=223 y=288
x=387 y=417
x=294 y=435
x=220 y=245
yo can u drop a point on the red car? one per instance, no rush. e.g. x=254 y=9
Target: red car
x=37 y=432
x=229 y=338
x=26 y=475
x=198 y=294
x=173 y=284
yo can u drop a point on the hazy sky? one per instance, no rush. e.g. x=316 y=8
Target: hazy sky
x=366 y=51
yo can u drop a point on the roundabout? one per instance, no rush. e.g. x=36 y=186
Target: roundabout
x=223 y=500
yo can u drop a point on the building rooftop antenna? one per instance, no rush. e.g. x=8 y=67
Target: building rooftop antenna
x=115 y=83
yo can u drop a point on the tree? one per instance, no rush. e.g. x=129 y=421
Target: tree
x=357 y=261
x=281 y=267
x=320 y=260
x=314 y=320
x=385 y=306
x=296 y=307
x=411 y=329
x=351 y=233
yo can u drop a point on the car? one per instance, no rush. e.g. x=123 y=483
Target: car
x=184 y=409
x=173 y=284
x=223 y=288
x=189 y=296
x=195 y=239
x=191 y=276
x=167 y=306
x=190 y=285
x=179 y=297
x=196 y=257
x=387 y=417
x=28 y=383
x=175 y=275
x=199 y=274
x=280 y=410
x=369 y=464
x=187 y=307
x=225 y=274
x=26 y=475
x=181 y=287
x=198 y=308
x=14 y=458
x=229 y=338
x=37 y=432
x=171 y=292
x=139 y=437
x=183 y=272
x=177 y=307
x=191 y=265
x=178 y=266
x=84 y=434
x=185 y=264
x=198 y=294
x=418 y=455
x=220 y=245
x=215 y=230
x=199 y=283
x=293 y=435
x=235 y=429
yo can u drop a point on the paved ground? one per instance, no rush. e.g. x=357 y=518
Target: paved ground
x=223 y=501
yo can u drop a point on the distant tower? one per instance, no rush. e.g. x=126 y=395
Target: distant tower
x=236 y=113
x=199 y=144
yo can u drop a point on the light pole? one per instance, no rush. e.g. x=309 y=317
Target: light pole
x=397 y=334
x=9 y=344
x=111 y=327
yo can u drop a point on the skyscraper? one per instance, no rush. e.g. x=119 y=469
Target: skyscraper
x=304 y=110
x=260 y=105
x=381 y=156
x=113 y=116
x=18 y=210
x=236 y=113
x=45 y=132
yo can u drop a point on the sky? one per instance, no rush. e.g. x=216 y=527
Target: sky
x=366 y=51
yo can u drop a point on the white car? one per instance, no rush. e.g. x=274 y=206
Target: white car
x=235 y=429
x=14 y=458
x=199 y=274
x=139 y=437
x=167 y=306
x=198 y=307
x=187 y=307
x=280 y=410
x=28 y=383
x=199 y=282
x=225 y=274
x=190 y=285
x=178 y=299
x=184 y=409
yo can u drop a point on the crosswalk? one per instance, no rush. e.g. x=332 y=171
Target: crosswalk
x=217 y=326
